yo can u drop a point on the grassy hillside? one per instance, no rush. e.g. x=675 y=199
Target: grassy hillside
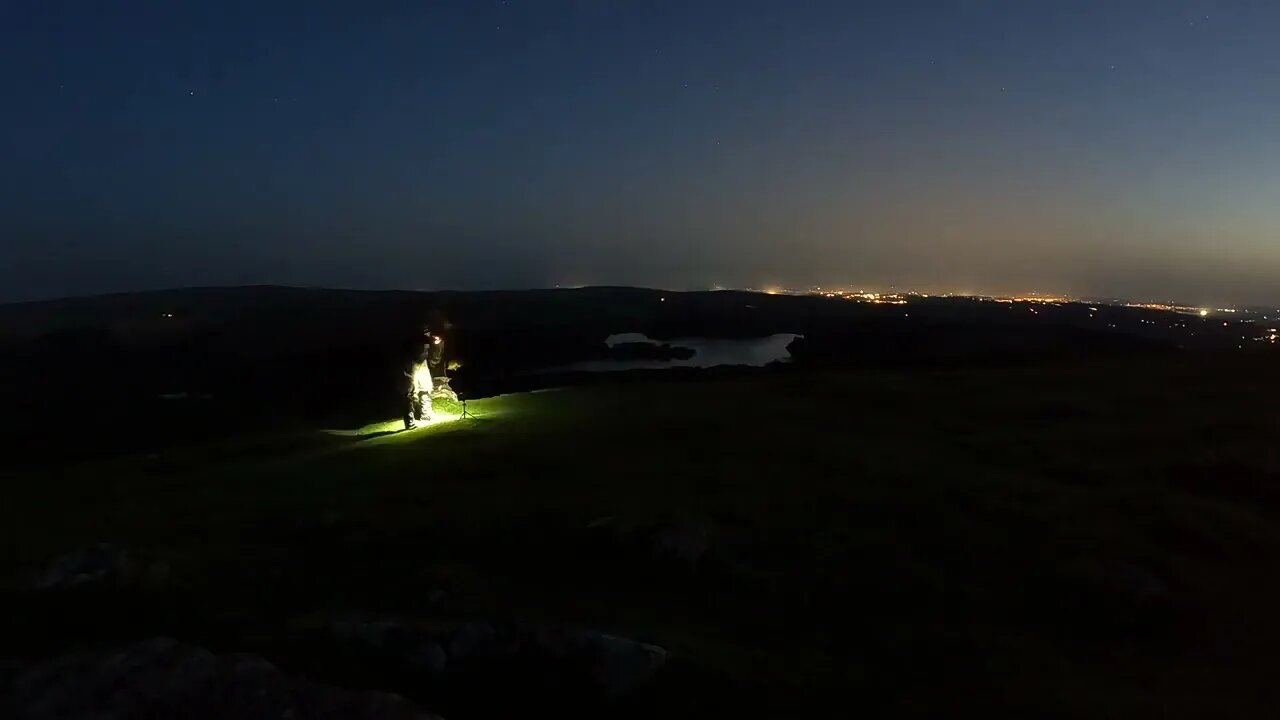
x=1088 y=541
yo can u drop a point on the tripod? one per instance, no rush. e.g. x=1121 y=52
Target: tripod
x=465 y=412
x=461 y=396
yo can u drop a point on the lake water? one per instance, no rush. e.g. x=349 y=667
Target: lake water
x=708 y=352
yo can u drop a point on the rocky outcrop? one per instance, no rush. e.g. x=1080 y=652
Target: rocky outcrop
x=100 y=564
x=444 y=399
x=162 y=678
x=539 y=654
x=682 y=546
x=442 y=390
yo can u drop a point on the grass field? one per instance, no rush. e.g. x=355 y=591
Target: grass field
x=1093 y=541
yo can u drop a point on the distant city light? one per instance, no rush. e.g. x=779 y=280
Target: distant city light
x=905 y=297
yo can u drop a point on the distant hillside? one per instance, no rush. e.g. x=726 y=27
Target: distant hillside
x=276 y=355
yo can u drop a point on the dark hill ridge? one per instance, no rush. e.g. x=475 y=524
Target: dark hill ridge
x=275 y=356
x=277 y=317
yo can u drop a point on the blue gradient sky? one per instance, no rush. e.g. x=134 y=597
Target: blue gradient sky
x=1125 y=147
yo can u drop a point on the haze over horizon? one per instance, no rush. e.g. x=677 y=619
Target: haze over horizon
x=1081 y=147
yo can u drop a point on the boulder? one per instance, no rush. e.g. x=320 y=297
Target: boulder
x=429 y=657
x=444 y=400
x=162 y=678
x=1107 y=599
x=615 y=664
x=555 y=655
x=442 y=390
x=1137 y=584
x=100 y=565
x=683 y=544
x=673 y=545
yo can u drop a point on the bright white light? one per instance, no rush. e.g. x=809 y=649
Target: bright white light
x=1204 y=313
x=422 y=378
x=437 y=418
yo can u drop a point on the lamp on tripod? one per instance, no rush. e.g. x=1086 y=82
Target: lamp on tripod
x=462 y=395
x=465 y=412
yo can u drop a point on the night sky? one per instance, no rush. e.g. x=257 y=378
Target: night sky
x=1111 y=147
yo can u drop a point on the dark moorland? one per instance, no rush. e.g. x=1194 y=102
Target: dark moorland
x=950 y=506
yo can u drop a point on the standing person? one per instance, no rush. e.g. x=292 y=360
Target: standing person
x=439 y=358
x=420 y=385
x=436 y=354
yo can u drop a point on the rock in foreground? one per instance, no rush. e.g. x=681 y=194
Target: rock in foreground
x=99 y=565
x=162 y=678
x=542 y=655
